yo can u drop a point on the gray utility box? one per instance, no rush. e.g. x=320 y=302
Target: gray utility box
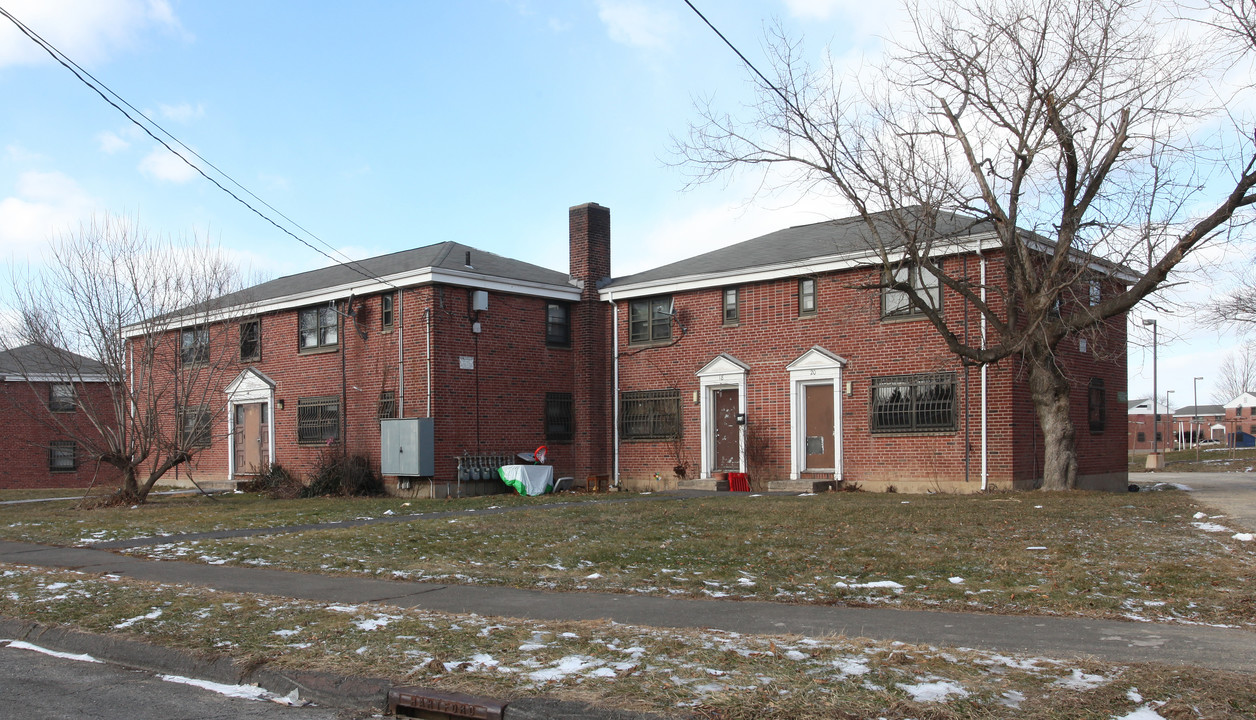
x=407 y=447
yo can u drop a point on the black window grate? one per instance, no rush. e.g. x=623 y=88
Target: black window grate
x=649 y=415
x=913 y=403
x=559 y=422
x=318 y=420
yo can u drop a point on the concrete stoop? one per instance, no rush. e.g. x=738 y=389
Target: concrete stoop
x=325 y=689
x=702 y=484
x=801 y=485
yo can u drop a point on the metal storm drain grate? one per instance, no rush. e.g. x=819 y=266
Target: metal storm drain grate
x=420 y=702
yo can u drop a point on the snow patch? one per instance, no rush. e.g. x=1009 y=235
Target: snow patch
x=936 y=691
x=21 y=645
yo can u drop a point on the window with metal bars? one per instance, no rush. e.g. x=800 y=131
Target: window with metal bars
x=649 y=415
x=913 y=403
x=62 y=456
x=318 y=420
x=559 y=425
x=388 y=404
x=1096 y=406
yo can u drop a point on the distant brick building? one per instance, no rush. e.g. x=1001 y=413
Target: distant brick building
x=763 y=353
x=46 y=405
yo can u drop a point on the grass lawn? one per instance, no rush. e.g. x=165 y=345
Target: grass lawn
x=1141 y=556
x=697 y=674
x=1211 y=459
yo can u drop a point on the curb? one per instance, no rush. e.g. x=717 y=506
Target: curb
x=325 y=689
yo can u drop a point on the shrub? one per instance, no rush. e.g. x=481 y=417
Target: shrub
x=276 y=482
x=336 y=474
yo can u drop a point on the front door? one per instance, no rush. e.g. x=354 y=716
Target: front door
x=252 y=438
x=727 y=432
x=818 y=409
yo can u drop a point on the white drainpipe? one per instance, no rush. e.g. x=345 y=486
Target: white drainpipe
x=614 y=388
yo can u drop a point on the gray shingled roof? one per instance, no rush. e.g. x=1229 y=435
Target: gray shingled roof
x=445 y=256
x=1192 y=410
x=40 y=360
x=797 y=244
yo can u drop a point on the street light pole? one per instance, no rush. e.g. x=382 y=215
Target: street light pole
x=1153 y=462
x=1195 y=417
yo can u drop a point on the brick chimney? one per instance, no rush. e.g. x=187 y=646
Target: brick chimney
x=589 y=234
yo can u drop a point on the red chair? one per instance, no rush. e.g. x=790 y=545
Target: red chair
x=738 y=482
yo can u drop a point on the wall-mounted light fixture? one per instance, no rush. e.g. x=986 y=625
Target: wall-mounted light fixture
x=279 y=403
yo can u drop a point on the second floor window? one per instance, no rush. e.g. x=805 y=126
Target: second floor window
x=194 y=346
x=732 y=306
x=387 y=315
x=557 y=324
x=61 y=397
x=895 y=302
x=317 y=327
x=250 y=340
x=807 y=297
x=650 y=320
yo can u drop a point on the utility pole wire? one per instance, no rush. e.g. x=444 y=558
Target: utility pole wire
x=96 y=85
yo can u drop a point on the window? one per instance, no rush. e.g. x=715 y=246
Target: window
x=1096 y=406
x=1096 y=292
x=62 y=456
x=913 y=403
x=649 y=415
x=1142 y=437
x=194 y=348
x=650 y=320
x=895 y=302
x=732 y=309
x=318 y=420
x=317 y=328
x=388 y=404
x=250 y=340
x=1159 y=436
x=195 y=425
x=558 y=419
x=807 y=296
x=62 y=397
x=386 y=314
x=557 y=324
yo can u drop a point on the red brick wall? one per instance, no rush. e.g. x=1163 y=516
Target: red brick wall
x=29 y=428
x=770 y=335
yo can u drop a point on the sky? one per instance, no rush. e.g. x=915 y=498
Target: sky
x=394 y=125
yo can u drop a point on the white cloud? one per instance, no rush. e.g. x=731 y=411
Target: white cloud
x=111 y=143
x=637 y=24
x=161 y=164
x=183 y=112
x=45 y=205
x=86 y=30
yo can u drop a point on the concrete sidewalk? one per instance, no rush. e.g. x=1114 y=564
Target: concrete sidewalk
x=1120 y=642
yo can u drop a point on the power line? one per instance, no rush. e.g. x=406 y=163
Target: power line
x=802 y=118
x=96 y=86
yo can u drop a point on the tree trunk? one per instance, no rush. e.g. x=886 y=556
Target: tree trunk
x=1049 y=389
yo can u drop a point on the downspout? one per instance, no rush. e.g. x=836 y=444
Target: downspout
x=427 y=315
x=344 y=385
x=985 y=434
x=614 y=389
x=401 y=356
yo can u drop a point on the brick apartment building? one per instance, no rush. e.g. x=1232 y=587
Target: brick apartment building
x=762 y=353
x=47 y=402
x=1141 y=437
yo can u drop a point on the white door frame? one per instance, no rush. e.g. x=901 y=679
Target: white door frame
x=817 y=366
x=250 y=386
x=724 y=372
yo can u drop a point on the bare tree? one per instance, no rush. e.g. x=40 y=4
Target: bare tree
x=113 y=300
x=1236 y=374
x=1065 y=130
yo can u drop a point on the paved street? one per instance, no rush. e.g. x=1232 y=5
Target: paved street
x=36 y=685
x=1232 y=493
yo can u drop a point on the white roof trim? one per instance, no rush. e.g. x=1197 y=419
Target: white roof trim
x=426 y=276
x=816 y=358
x=723 y=364
x=248 y=373
x=828 y=263
x=55 y=378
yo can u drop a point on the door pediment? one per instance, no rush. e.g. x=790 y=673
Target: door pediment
x=817 y=358
x=250 y=385
x=723 y=364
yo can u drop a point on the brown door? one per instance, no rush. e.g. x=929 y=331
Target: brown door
x=818 y=405
x=252 y=438
x=727 y=432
